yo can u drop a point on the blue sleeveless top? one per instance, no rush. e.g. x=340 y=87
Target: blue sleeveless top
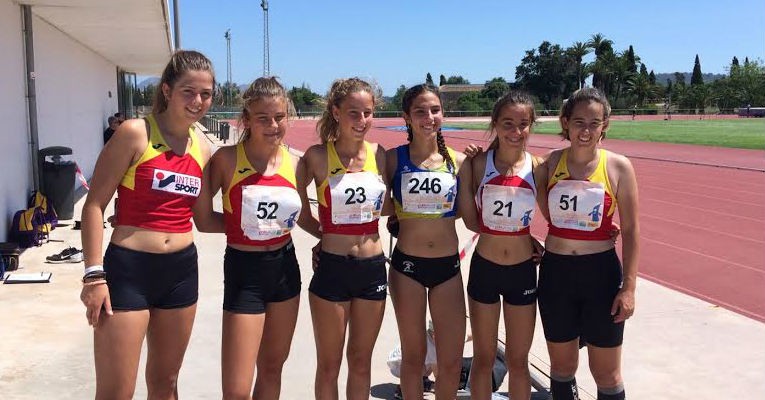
x=426 y=193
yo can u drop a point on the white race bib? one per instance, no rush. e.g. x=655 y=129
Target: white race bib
x=357 y=197
x=507 y=208
x=428 y=192
x=576 y=205
x=268 y=211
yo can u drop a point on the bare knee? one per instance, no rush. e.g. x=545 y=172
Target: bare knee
x=271 y=367
x=162 y=386
x=450 y=367
x=564 y=366
x=359 y=361
x=607 y=378
x=482 y=362
x=328 y=368
x=413 y=359
x=518 y=363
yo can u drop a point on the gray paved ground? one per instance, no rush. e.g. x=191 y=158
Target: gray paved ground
x=676 y=347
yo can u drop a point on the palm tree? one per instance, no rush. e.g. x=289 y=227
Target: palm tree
x=577 y=52
x=641 y=88
x=622 y=74
x=599 y=43
x=602 y=48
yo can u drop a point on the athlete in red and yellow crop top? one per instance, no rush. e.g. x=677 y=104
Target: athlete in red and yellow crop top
x=260 y=210
x=350 y=202
x=158 y=192
x=581 y=210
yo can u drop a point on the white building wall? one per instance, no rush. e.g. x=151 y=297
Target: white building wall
x=15 y=164
x=76 y=93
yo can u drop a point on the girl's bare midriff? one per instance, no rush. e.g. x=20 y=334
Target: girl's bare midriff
x=427 y=237
x=361 y=246
x=572 y=247
x=504 y=250
x=149 y=241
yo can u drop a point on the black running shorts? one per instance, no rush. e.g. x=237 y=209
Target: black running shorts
x=428 y=272
x=139 y=280
x=576 y=293
x=516 y=283
x=342 y=278
x=252 y=279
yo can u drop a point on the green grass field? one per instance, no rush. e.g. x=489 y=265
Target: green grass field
x=736 y=133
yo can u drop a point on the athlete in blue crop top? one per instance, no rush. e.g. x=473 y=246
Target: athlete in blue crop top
x=425 y=264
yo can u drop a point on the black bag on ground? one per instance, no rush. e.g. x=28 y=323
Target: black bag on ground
x=498 y=372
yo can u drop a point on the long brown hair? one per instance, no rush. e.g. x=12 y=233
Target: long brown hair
x=406 y=105
x=512 y=97
x=327 y=125
x=263 y=88
x=180 y=62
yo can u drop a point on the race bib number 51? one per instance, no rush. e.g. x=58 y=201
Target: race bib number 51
x=428 y=192
x=576 y=205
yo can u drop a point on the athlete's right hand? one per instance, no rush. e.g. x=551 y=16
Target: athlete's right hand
x=95 y=297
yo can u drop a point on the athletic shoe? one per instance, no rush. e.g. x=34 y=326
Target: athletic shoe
x=69 y=255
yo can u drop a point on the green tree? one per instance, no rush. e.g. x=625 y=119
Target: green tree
x=304 y=99
x=577 y=52
x=543 y=72
x=652 y=78
x=602 y=47
x=457 y=80
x=429 y=79
x=631 y=59
x=696 y=78
x=494 y=89
x=441 y=80
x=395 y=102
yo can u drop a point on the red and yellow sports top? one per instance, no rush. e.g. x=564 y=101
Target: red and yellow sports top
x=350 y=202
x=158 y=191
x=581 y=210
x=260 y=210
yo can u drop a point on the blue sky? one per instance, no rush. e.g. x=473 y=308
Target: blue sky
x=398 y=42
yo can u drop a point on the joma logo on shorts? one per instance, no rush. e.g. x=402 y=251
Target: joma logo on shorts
x=529 y=291
x=173 y=182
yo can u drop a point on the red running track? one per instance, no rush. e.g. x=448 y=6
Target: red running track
x=702 y=225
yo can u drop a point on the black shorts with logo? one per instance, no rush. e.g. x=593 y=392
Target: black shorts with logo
x=576 y=293
x=252 y=279
x=342 y=278
x=516 y=283
x=138 y=280
x=428 y=272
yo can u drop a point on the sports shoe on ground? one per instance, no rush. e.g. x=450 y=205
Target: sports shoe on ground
x=69 y=255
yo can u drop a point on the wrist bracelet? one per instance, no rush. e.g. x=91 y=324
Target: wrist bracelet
x=93 y=268
x=95 y=283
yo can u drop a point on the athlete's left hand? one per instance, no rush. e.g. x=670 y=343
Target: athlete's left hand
x=624 y=305
x=472 y=150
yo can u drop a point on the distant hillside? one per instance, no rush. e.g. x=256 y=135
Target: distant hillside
x=662 y=77
x=148 y=81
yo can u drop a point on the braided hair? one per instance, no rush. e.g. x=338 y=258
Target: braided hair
x=406 y=105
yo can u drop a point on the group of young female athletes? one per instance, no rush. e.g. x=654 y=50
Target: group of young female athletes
x=145 y=286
